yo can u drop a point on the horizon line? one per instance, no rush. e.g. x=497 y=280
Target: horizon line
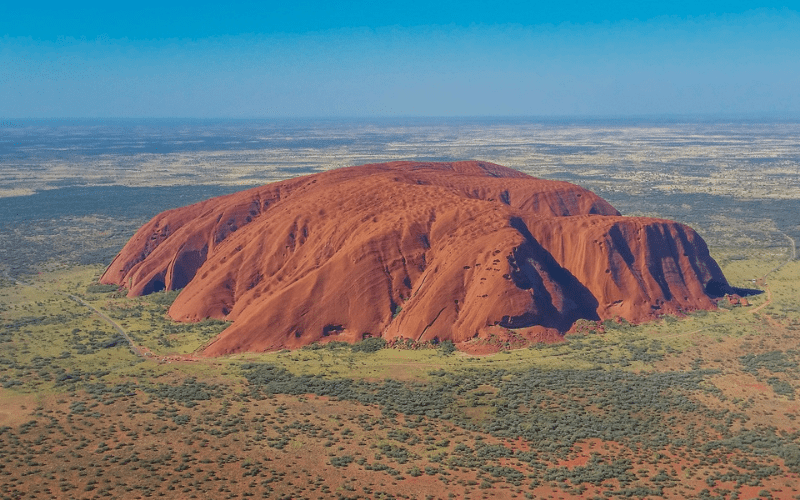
x=787 y=116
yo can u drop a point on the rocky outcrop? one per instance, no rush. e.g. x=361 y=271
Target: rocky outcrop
x=416 y=250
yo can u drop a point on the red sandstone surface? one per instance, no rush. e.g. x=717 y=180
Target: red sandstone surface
x=416 y=250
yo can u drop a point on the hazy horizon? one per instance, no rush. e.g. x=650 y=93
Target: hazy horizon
x=754 y=117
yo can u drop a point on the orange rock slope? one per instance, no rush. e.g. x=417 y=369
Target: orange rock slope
x=415 y=250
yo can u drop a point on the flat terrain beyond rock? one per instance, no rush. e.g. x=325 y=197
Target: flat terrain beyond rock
x=415 y=250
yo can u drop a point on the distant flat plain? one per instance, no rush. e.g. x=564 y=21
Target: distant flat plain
x=78 y=189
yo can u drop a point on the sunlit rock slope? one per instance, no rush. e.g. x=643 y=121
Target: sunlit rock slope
x=415 y=250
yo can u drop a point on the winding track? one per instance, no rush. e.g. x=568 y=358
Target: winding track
x=792 y=256
x=116 y=326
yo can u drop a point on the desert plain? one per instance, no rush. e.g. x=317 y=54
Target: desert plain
x=105 y=396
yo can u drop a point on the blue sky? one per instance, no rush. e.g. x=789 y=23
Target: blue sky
x=326 y=59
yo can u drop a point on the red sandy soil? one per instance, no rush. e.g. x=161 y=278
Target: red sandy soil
x=14 y=409
x=132 y=448
x=413 y=250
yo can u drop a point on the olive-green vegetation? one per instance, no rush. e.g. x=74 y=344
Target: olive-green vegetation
x=159 y=425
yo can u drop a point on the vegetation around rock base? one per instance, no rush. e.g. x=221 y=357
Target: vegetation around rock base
x=693 y=407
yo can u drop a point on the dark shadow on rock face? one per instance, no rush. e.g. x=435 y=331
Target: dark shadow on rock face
x=660 y=247
x=186 y=266
x=155 y=285
x=531 y=267
x=623 y=249
x=621 y=245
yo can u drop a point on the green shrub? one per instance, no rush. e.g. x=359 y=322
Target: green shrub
x=447 y=347
x=369 y=345
x=342 y=461
x=101 y=288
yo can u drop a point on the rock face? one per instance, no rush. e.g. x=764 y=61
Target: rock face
x=415 y=250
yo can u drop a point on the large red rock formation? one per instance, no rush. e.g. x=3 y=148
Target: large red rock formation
x=415 y=250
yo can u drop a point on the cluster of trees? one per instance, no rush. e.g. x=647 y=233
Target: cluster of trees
x=188 y=392
x=101 y=288
x=374 y=344
x=774 y=361
x=596 y=471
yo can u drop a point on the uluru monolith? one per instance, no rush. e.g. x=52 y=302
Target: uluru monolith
x=420 y=250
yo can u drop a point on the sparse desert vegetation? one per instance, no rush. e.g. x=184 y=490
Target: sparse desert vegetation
x=701 y=406
x=682 y=407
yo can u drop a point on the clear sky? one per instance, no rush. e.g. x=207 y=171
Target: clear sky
x=301 y=58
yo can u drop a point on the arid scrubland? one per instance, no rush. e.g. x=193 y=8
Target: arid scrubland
x=670 y=408
x=702 y=406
